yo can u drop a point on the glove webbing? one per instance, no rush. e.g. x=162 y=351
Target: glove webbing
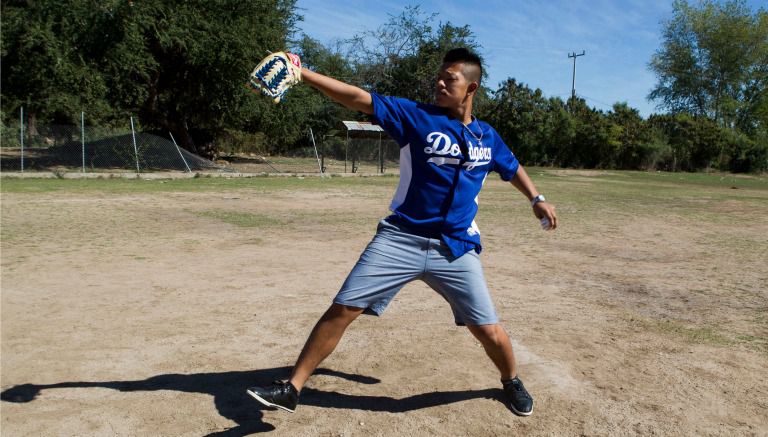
x=276 y=77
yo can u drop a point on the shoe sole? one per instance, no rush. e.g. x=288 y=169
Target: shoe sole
x=521 y=413
x=267 y=403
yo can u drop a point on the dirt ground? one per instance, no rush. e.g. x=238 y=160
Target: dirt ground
x=150 y=312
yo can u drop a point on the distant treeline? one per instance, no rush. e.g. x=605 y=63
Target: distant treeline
x=180 y=66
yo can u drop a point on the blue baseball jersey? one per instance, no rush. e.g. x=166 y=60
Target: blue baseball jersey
x=443 y=165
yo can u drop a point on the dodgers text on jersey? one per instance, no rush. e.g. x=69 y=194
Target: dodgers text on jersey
x=440 y=144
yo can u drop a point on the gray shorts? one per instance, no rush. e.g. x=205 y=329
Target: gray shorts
x=394 y=258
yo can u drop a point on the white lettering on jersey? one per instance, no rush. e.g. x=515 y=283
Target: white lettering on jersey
x=479 y=153
x=440 y=144
x=440 y=160
x=478 y=156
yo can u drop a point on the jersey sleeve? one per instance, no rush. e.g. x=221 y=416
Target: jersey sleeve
x=392 y=114
x=504 y=161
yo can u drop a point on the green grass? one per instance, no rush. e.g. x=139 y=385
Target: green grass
x=704 y=335
x=695 y=197
x=689 y=334
x=242 y=219
x=715 y=180
x=579 y=195
x=699 y=335
x=758 y=342
x=644 y=184
x=121 y=186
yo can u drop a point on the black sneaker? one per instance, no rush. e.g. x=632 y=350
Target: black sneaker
x=281 y=394
x=518 y=398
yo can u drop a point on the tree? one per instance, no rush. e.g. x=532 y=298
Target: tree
x=519 y=114
x=45 y=60
x=325 y=116
x=594 y=141
x=632 y=137
x=402 y=56
x=200 y=53
x=179 y=65
x=695 y=142
x=558 y=133
x=714 y=63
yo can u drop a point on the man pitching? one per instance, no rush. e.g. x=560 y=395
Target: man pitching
x=445 y=155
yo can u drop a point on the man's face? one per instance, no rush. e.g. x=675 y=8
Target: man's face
x=452 y=85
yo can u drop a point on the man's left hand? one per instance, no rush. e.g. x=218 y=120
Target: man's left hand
x=546 y=211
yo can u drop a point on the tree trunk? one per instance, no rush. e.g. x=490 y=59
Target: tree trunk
x=31 y=124
x=182 y=135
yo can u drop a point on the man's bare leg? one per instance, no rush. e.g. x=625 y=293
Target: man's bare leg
x=496 y=343
x=322 y=341
x=497 y=346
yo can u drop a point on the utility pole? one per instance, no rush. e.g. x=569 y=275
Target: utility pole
x=574 y=55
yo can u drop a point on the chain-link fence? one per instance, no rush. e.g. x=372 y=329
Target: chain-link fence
x=359 y=154
x=330 y=156
x=84 y=148
x=95 y=149
x=335 y=155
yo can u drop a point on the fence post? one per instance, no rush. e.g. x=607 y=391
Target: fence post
x=180 y=154
x=311 y=134
x=135 y=148
x=21 y=136
x=82 y=135
x=346 y=149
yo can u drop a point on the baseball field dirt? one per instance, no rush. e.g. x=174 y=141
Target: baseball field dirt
x=147 y=307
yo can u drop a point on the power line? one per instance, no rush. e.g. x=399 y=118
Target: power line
x=595 y=100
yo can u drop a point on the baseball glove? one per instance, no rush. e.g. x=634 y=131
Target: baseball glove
x=275 y=74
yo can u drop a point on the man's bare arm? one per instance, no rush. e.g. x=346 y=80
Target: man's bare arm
x=348 y=95
x=525 y=185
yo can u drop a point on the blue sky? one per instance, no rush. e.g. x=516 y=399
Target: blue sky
x=530 y=40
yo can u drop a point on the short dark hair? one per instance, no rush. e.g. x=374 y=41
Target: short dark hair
x=462 y=54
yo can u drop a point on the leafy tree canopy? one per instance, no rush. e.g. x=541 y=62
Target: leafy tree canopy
x=713 y=62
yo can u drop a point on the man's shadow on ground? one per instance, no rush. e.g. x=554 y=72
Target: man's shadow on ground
x=232 y=402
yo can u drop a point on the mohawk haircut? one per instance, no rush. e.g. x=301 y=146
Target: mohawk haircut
x=466 y=56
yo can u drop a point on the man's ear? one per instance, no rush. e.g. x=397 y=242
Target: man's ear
x=472 y=87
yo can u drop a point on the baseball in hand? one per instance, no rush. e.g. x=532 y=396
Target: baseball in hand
x=545 y=224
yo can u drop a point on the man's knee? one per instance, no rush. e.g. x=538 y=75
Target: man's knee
x=488 y=334
x=342 y=313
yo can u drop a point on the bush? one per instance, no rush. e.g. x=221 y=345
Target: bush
x=656 y=154
x=748 y=156
x=234 y=142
